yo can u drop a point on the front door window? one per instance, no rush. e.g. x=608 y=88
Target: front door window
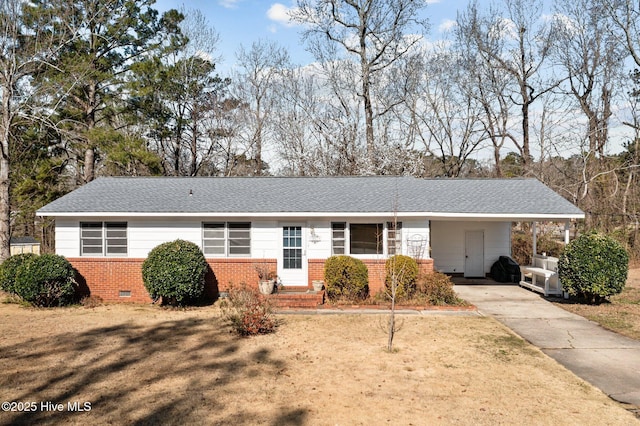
x=292 y=247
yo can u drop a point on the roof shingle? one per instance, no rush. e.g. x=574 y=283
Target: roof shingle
x=378 y=194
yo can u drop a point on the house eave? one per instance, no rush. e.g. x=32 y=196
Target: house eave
x=514 y=217
x=511 y=217
x=231 y=214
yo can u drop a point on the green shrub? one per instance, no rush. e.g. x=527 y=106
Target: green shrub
x=45 y=280
x=248 y=311
x=346 y=278
x=8 y=271
x=404 y=270
x=437 y=288
x=175 y=271
x=593 y=267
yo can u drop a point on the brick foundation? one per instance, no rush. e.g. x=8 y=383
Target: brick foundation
x=108 y=277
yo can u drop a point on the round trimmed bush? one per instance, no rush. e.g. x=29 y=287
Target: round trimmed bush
x=593 y=267
x=45 y=280
x=404 y=270
x=175 y=271
x=9 y=268
x=346 y=277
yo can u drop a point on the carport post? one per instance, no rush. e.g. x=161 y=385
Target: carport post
x=534 y=230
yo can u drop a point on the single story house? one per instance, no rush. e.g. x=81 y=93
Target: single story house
x=107 y=227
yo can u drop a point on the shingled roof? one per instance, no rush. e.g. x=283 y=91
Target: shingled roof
x=312 y=195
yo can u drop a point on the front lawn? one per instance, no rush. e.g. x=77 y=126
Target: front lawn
x=148 y=365
x=621 y=314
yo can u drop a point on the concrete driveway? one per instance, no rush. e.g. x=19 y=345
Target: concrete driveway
x=603 y=358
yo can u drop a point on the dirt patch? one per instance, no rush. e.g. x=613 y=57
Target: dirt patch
x=621 y=314
x=147 y=365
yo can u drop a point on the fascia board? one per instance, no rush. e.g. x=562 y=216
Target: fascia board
x=431 y=215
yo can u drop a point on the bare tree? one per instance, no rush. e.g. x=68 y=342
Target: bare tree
x=591 y=58
x=490 y=87
x=394 y=279
x=260 y=68
x=625 y=15
x=375 y=32
x=316 y=125
x=516 y=41
x=445 y=113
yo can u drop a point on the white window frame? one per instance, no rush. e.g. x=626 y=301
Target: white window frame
x=393 y=245
x=292 y=257
x=386 y=241
x=343 y=239
x=227 y=231
x=105 y=239
x=380 y=243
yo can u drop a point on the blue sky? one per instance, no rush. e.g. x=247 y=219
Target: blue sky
x=245 y=21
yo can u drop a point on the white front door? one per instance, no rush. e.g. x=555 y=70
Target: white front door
x=474 y=254
x=292 y=259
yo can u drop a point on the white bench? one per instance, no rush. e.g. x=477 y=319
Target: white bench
x=542 y=276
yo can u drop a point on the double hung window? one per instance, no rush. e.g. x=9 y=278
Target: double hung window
x=338 y=237
x=394 y=238
x=231 y=239
x=103 y=239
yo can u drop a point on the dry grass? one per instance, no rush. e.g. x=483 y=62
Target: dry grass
x=621 y=315
x=147 y=365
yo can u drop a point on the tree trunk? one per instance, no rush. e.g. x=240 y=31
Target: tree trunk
x=496 y=159
x=5 y=200
x=89 y=164
x=89 y=153
x=5 y=209
x=258 y=158
x=368 y=115
x=392 y=327
x=526 y=153
x=193 y=167
x=257 y=137
x=365 y=70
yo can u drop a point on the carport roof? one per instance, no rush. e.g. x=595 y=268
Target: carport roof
x=313 y=196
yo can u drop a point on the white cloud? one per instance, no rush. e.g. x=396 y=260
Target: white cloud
x=504 y=28
x=204 y=56
x=229 y=4
x=446 y=25
x=281 y=14
x=563 y=22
